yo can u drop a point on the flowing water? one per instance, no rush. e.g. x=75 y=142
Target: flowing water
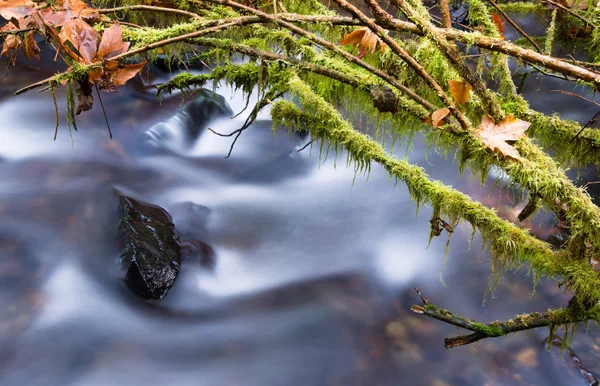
x=314 y=269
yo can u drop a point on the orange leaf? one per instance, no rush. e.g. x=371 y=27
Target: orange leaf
x=127 y=72
x=460 y=91
x=499 y=24
x=495 y=135
x=83 y=37
x=112 y=43
x=16 y=8
x=354 y=37
x=365 y=40
x=438 y=116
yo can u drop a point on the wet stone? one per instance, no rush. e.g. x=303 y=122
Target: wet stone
x=183 y=128
x=150 y=248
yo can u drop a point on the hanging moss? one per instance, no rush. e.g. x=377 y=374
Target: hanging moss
x=509 y=245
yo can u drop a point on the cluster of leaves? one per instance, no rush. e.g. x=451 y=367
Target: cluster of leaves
x=67 y=25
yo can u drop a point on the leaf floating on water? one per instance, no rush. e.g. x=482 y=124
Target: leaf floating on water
x=495 y=135
x=365 y=39
x=437 y=117
x=460 y=91
x=384 y=99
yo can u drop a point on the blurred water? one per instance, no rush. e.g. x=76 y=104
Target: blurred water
x=314 y=275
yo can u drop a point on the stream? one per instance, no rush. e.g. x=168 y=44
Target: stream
x=314 y=267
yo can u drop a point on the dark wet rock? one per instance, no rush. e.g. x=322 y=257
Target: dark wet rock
x=150 y=248
x=196 y=251
x=182 y=129
x=190 y=219
x=558 y=239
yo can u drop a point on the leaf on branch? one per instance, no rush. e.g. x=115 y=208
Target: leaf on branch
x=112 y=43
x=495 y=135
x=11 y=42
x=499 y=24
x=126 y=72
x=384 y=99
x=365 y=39
x=437 y=117
x=82 y=36
x=460 y=91
x=17 y=9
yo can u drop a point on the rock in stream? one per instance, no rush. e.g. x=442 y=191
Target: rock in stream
x=150 y=248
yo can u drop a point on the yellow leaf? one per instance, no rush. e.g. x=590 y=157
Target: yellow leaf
x=460 y=91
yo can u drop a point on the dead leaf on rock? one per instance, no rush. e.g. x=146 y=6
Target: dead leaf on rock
x=460 y=91
x=495 y=135
x=437 y=117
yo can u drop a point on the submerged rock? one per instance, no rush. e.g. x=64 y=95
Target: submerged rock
x=150 y=248
x=182 y=129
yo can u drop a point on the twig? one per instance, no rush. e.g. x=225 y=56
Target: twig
x=307 y=145
x=594 y=118
x=55 y=110
x=150 y=8
x=515 y=26
x=269 y=97
x=576 y=96
x=445 y=13
x=103 y=111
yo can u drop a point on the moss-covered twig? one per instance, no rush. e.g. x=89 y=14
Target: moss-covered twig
x=552 y=318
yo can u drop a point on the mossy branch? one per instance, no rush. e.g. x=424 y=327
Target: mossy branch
x=509 y=245
x=550 y=318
